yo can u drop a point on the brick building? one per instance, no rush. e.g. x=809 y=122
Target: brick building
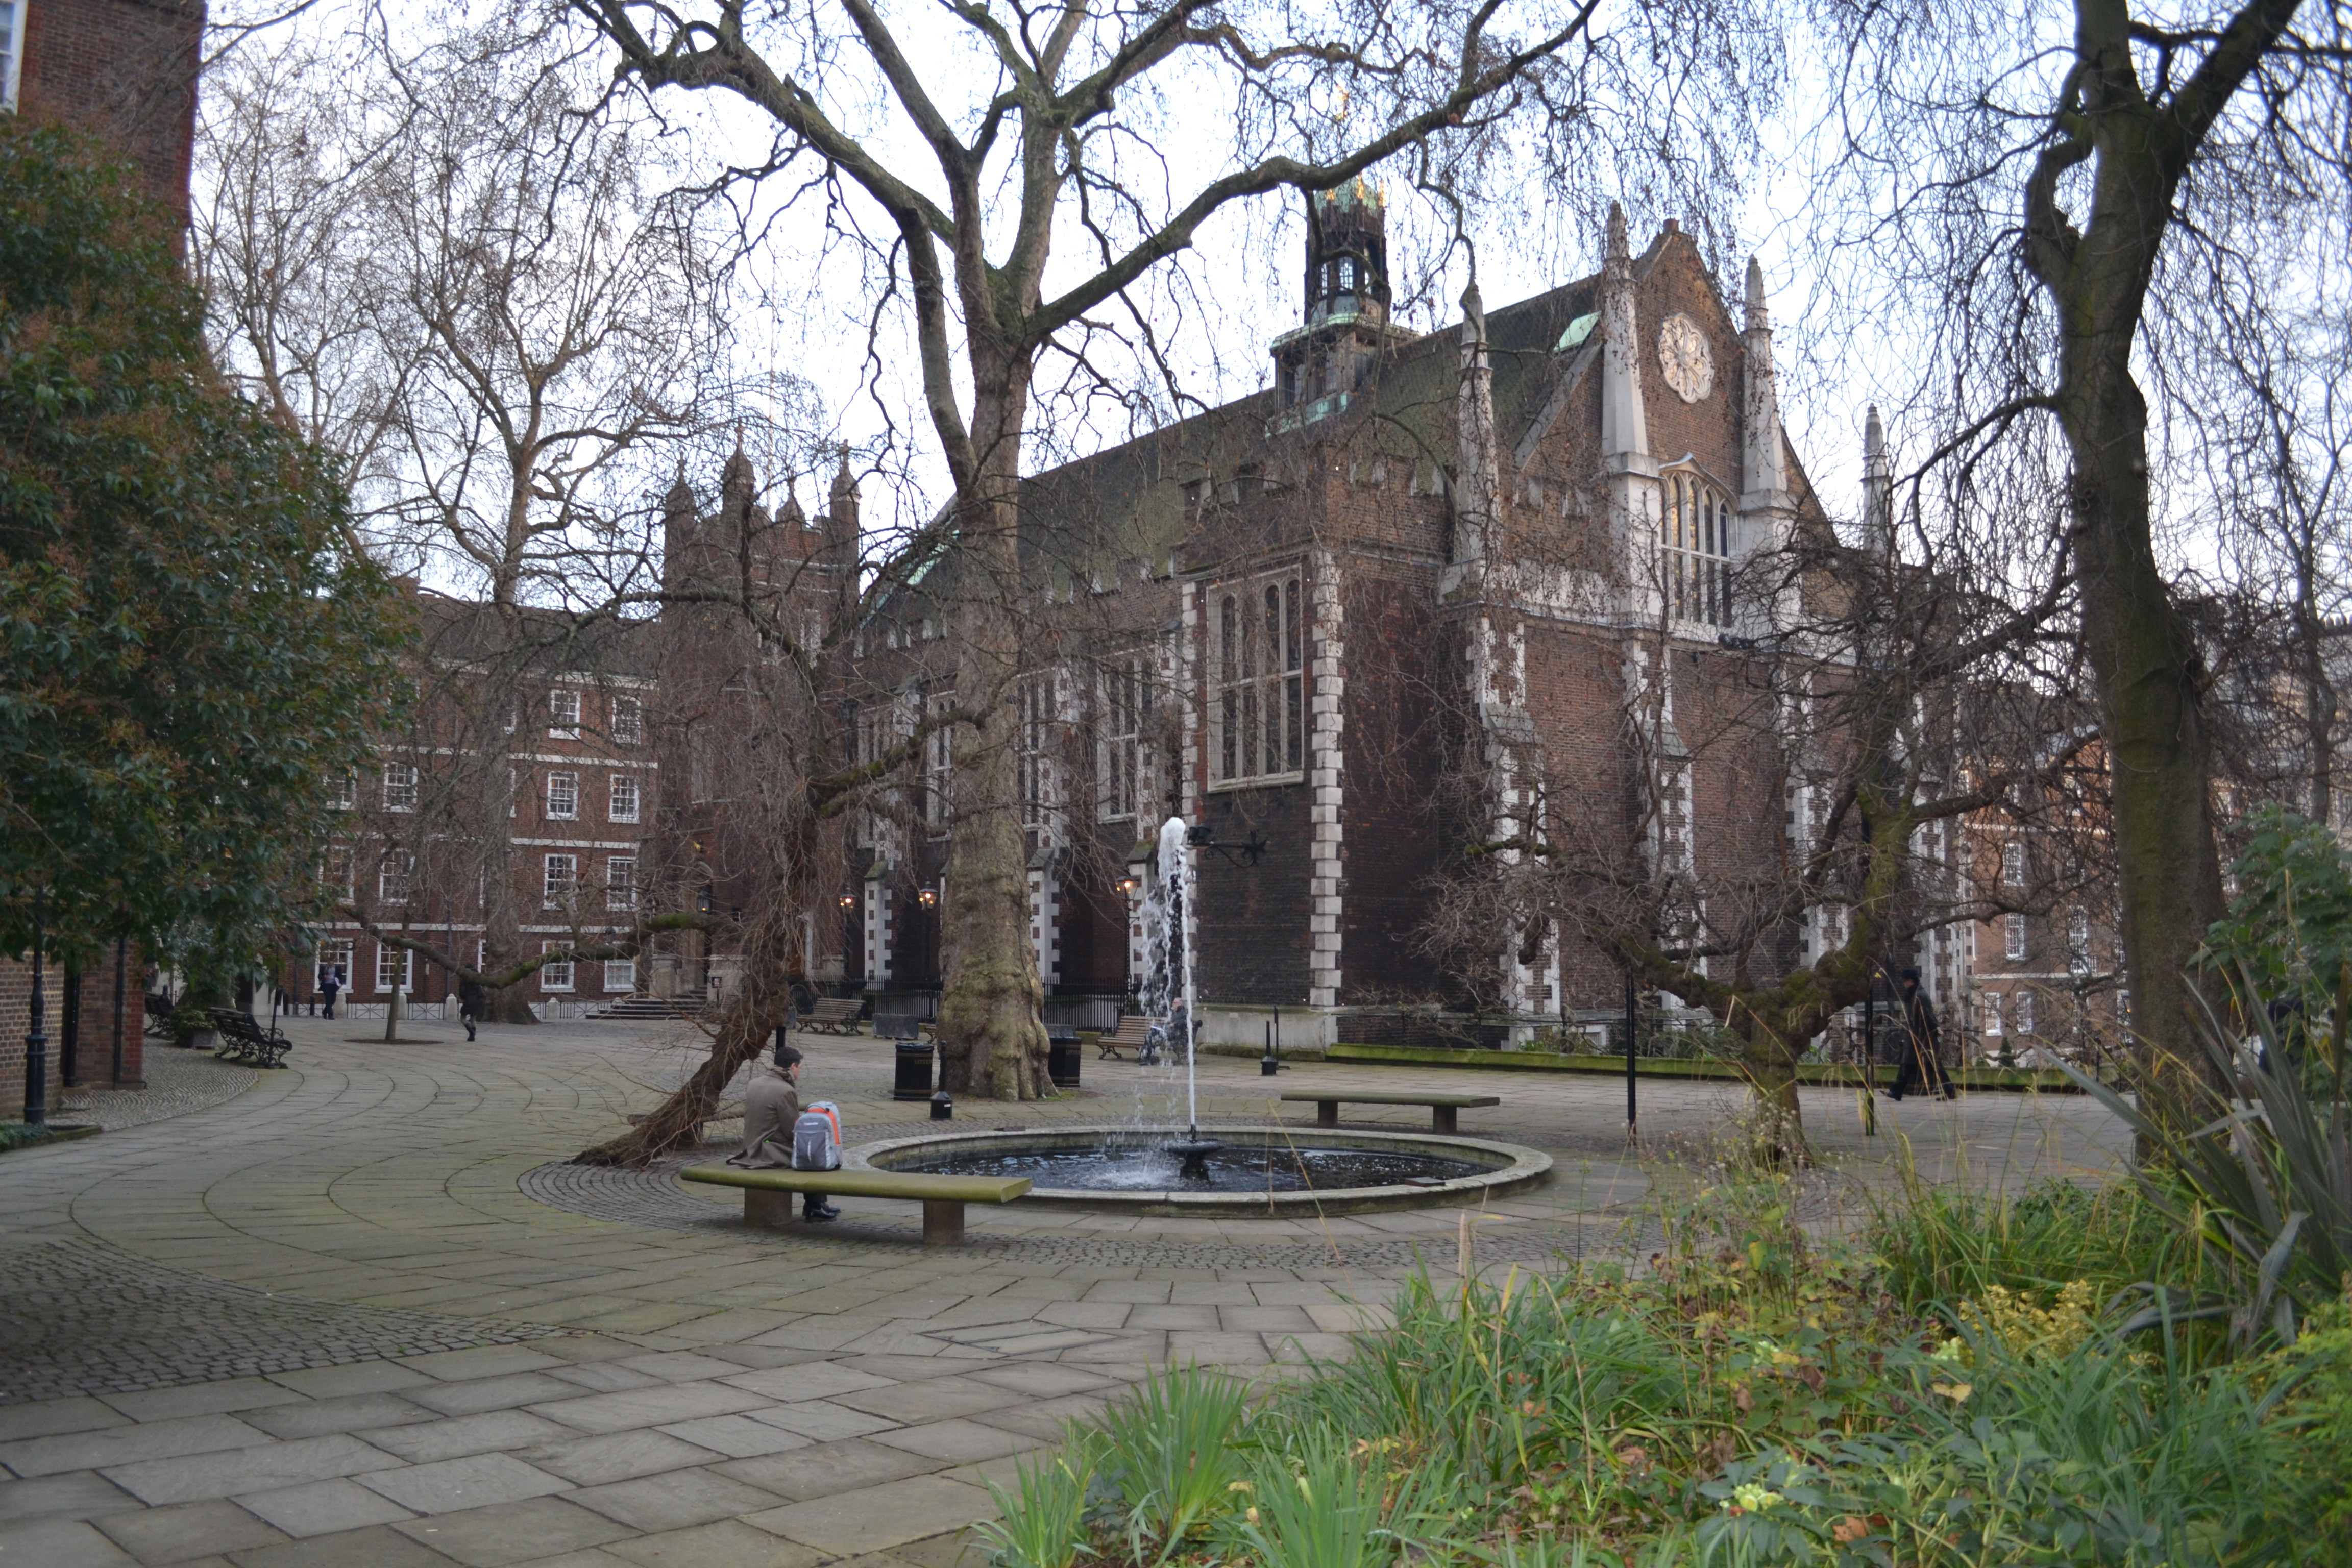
x=1302 y=619
x=126 y=68
x=507 y=818
x=79 y=1021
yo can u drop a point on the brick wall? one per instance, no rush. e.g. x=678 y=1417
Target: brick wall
x=94 y=1059
x=126 y=68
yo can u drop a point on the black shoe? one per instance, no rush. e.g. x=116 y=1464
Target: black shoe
x=1893 y=1094
x=819 y=1216
x=1951 y=1094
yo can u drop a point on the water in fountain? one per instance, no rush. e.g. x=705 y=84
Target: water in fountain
x=1168 y=990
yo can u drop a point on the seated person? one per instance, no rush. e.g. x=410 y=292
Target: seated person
x=772 y=1105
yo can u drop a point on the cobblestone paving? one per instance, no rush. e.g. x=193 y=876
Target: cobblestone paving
x=81 y=1316
x=205 y=1320
x=655 y=1197
x=178 y=1081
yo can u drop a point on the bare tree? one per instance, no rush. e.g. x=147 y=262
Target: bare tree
x=287 y=143
x=2038 y=214
x=464 y=273
x=1902 y=703
x=997 y=135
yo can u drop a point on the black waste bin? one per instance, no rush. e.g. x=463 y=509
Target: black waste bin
x=914 y=1072
x=1062 y=1057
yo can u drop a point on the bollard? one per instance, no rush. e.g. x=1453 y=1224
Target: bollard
x=942 y=1107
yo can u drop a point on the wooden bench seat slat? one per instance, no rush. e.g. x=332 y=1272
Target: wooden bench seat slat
x=1134 y=1032
x=915 y=1186
x=1444 y=1110
x=768 y=1194
x=1382 y=1096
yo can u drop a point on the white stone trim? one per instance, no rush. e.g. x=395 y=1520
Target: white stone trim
x=1325 y=757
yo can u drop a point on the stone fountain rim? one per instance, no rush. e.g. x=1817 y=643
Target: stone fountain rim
x=1511 y=1168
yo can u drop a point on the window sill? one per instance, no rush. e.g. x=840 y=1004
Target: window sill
x=1258 y=781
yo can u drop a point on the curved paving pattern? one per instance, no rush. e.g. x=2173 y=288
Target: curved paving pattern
x=645 y=1382
x=654 y=1197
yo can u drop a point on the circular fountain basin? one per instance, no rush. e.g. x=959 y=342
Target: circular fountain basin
x=1283 y=1171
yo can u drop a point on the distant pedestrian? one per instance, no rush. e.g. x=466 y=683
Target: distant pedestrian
x=1918 y=1038
x=331 y=982
x=470 y=1005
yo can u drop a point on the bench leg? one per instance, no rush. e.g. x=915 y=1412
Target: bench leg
x=942 y=1222
x=1441 y=1119
x=773 y=1210
x=1326 y=1113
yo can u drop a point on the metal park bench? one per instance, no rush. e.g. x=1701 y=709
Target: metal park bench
x=1444 y=1109
x=1133 y=1034
x=242 y=1040
x=768 y=1194
x=833 y=1016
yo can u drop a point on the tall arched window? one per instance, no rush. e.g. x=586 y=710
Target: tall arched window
x=1694 y=551
x=1260 y=663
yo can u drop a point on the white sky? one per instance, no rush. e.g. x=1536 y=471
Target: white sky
x=1245 y=274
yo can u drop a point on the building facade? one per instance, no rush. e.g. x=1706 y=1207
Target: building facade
x=124 y=68
x=1484 y=584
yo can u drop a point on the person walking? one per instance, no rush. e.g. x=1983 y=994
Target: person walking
x=772 y=1108
x=470 y=1005
x=1919 y=1041
x=330 y=983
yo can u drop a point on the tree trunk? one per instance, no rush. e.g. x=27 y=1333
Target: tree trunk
x=2150 y=677
x=2151 y=705
x=759 y=1005
x=991 y=1028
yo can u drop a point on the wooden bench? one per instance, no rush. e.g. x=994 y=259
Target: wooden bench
x=1442 y=1107
x=768 y=1194
x=242 y=1040
x=1133 y=1034
x=833 y=1016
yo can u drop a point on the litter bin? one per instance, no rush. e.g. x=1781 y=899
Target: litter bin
x=1062 y=1057
x=914 y=1072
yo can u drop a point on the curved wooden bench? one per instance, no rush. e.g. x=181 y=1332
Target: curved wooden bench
x=1442 y=1107
x=768 y=1194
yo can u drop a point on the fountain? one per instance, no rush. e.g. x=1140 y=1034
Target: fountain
x=1277 y=1170
x=1168 y=937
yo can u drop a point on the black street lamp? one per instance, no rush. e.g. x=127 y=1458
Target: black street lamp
x=36 y=1043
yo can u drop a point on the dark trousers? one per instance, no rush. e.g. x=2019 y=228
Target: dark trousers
x=1918 y=1067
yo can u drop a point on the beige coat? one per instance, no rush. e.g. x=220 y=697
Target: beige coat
x=770 y=1105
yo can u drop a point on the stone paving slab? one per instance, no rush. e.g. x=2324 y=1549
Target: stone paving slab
x=607 y=1370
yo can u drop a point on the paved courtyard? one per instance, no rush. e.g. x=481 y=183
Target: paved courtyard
x=360 y=1315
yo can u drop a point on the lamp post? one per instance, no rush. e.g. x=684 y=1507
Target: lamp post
x=1633 y=1032
x=37 y=1041
x=122 y=962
